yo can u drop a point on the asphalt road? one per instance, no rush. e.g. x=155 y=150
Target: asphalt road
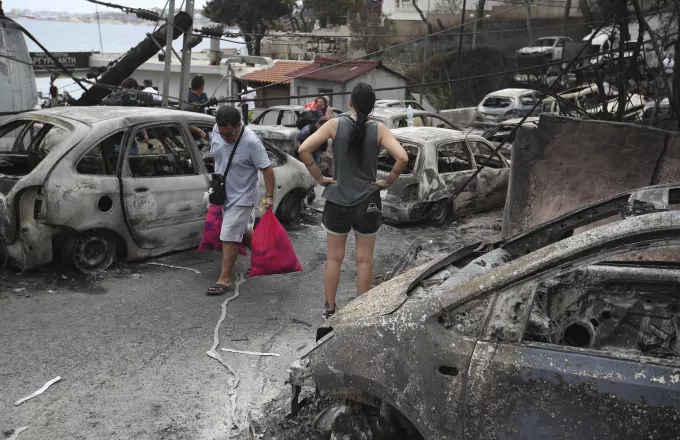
x=130 y=345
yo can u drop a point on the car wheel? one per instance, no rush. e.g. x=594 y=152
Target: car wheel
x=89 y=252
x=352 y=419
x=311 y=196
x=290 y=208
x=441 y=211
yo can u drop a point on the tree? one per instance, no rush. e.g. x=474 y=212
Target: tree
x=450 y=7
x=371 y=31
x=253 y=17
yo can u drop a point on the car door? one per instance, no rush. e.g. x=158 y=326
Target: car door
x=455 y=165
x=163 y=182
x=493 y=178
x=528 y=378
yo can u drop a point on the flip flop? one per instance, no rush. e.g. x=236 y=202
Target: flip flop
x=218 y=289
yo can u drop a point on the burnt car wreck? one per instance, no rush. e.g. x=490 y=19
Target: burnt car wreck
x=553 y=333
x=440 y=161
x=87 y=185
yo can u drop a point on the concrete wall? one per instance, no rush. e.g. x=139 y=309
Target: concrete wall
x=460 y=116
x=566 y=163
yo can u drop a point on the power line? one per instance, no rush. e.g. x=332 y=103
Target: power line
x=423 y=84
x=387 y=48
x=49 y=54
x=521 y=122
x=92 y=83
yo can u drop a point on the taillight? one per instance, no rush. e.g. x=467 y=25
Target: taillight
x=410 y=193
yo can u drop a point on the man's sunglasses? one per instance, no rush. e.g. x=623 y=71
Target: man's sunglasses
x=231 y=133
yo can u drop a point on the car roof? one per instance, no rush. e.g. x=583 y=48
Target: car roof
x=531 y=120
x=97 y=114
x=274 y=129
x=392 y=111
x=510 y=92
x=427 y=134
x=285 y=107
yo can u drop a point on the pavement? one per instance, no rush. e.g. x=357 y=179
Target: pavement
x=131 y=345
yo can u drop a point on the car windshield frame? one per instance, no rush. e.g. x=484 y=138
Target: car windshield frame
x=510 y=101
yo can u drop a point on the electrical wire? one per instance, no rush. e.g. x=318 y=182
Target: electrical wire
x=521 y=122
x=481 y=32
x=424 y=84
x=107 y=86
x=377 y=52
x=47 y=52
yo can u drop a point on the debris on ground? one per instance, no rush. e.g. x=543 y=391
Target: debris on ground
x=39 y=392
x=254 y=353
x=13 y=435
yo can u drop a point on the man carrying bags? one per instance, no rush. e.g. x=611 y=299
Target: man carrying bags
x=239 y=155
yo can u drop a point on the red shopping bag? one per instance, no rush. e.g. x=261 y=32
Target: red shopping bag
x=271 y=252
x=210 y=241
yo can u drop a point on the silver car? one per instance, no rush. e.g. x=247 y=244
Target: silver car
x=93 y=183
x=505 y=104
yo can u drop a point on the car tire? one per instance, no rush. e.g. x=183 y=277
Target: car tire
x=441 y=212
x=290 y=208
x=89 y=252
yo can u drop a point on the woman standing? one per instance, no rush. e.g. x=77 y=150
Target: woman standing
x=353 y=201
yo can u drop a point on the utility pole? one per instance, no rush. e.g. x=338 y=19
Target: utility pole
x=168 y=51
x=474 y=31
x=186 y=57
x=460 y=43
x=531 y=40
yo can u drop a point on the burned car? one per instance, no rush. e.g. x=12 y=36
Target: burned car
x=286 y=115
x=549 y=334
x=91 y=183
x=505 y=133
x=505 y=104
x=397 y=117
x=439 y=161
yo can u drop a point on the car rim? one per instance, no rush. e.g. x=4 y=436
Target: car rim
x=439 y=213
x=92 y=252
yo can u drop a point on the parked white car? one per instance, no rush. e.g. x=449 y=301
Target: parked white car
x=550 y=47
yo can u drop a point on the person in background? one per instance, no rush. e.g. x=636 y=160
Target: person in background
x=128 y=96
x=249 y=95
x=353 y=201
x=329 y=110
x=321 y=104
x=241 y=186
x=306 y=132
x=196 y=94
x=148 y=88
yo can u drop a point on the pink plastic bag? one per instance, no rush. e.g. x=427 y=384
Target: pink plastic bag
x=271 y=252
x=210 y=241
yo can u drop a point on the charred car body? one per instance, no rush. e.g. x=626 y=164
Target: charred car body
x=65 y=186
x=440 y=161
x=550 y=334
x=286 y=115
x=397 y=117
x=505 y=104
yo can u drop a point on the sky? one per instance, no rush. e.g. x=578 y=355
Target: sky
x=82 y=6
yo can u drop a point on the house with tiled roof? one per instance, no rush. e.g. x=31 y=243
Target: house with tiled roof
x=326 y=76
x=277 y=81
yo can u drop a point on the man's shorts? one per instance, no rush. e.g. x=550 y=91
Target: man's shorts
x=236 y=221
x=365 y=217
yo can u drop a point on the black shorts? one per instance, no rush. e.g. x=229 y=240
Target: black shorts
x=364 y=217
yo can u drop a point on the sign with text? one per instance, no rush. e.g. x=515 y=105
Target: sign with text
x=70 y=60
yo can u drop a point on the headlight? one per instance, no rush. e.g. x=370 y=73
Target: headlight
x=410 y=193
